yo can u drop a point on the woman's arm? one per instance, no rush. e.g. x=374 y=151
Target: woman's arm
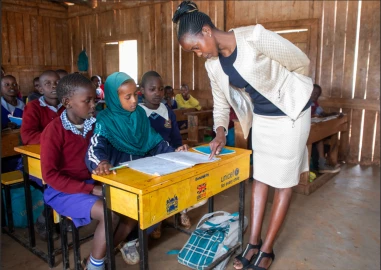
x=280 y=49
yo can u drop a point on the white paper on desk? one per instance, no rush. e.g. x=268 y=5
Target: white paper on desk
x=187 y=158
x=167 y=163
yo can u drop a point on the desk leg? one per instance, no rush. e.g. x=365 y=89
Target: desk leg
x=241 y=211
x=108 y=227
x=28 y=203
x=143 y=248
x=211 y=204
x=49 y=229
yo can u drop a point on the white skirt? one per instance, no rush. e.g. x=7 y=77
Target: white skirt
x=280 y=153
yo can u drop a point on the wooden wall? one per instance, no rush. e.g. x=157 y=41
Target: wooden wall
x=347 y=64
x=35 y=37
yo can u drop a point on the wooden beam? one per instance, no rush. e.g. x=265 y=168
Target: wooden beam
x=356 y=103
x=104 y=7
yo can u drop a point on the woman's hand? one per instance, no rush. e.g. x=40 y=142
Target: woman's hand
x=103 y=168
x=184 y=147
x=97 y=191
x=218 y=142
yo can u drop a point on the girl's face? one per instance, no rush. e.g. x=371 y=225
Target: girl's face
x=184 y=92
x=128 y=96
x=97 y=82
x=81 y=104
x=201 y=44
x=153 y=91
x=168 y=93
x=9 y=87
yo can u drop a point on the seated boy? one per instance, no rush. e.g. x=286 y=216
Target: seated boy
x=317 y=111
x=35 y=94
x=37 y=115
x=168 y=99
x=10 y=104
x=97 y=81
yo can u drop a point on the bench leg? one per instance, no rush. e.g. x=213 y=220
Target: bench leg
x=49 y=230
x=211 y=204
x=64 y=244
x=76 y=247
x=8 y=203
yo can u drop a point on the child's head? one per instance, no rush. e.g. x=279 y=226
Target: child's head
x=2 y=72
x=316 y=92
x=151 y=87
x=36 y=84
x=48 y=83
x=120 y=92
x=168 y=92
x=184 y=90
x=9 y=86
x=62 y=73
x=77 y=94
x=96 y=80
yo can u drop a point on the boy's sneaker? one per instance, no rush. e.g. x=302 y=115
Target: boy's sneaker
x=185 y=221
x=329 y=169
x=130 y=253
x=41 y=230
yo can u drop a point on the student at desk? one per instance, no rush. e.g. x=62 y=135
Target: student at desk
x=71 y=191
x=317 y=111
x=10 y=103
x=123 y=133
x=38 y=114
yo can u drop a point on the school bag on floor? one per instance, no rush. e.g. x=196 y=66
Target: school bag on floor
x=213 y=237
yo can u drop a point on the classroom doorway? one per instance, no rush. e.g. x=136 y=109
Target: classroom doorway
x=121 y=56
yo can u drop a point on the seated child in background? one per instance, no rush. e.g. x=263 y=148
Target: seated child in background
x=10 y=103
x=185 y=100
x=62 y=73
x=163 y=120
x=97 y=81
x=35 y=94
x=71 y=191
x=317 y=111
x=169 y=99
x=39 y=113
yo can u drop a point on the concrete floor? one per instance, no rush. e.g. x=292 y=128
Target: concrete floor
x=336 y=227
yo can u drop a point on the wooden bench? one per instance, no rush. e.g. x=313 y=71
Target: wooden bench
x=197 y=124
x=319 y=131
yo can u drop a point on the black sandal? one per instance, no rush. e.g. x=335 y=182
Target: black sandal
x=241 y=258
x=261 y=255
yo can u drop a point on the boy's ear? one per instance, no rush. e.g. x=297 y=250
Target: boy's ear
x=65 y=102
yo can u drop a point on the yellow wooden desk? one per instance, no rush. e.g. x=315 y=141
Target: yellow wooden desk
x=151 y=199
x=9 y=139
x=32 y=167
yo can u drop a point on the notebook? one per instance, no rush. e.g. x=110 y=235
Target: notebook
x=205 y=149
x=16 y=120
x=167 y=163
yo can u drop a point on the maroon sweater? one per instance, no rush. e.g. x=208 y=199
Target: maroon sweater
x=63 y=159
x=35 y=119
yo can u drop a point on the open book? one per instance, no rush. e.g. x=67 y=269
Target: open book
x=167 y=163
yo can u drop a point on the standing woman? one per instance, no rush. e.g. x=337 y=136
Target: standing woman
x=261 y=76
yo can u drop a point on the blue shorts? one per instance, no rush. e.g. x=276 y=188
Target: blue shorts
x=76 y=206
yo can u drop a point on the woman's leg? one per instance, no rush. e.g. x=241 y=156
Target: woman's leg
x=258 y=205
x=281 y=203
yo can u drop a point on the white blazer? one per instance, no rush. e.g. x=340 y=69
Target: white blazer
x=272 y=65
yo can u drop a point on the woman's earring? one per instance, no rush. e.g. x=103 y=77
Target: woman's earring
x=210 y=35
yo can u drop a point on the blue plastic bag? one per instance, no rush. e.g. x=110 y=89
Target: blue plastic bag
x=18 y=205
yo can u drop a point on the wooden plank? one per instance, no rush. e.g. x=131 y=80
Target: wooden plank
x=311 y=187
x=19 y=9
x=12 y=38
x=27 y=39
x=327 y=50
x=53 y=41
x=376 y=157
x=157 y=37
x=52 y=13
x=175 y=54
x=230 y=14
x=40 y=40
x=357 y=103
x=20 y=38
x=239 y=140
x=59 y=41
x=5 y=52
x=339 y=50
x=66 y=44
x=46 y=41
x=34 y=38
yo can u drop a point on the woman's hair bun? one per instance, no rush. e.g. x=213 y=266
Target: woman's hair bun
x=184 y=8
